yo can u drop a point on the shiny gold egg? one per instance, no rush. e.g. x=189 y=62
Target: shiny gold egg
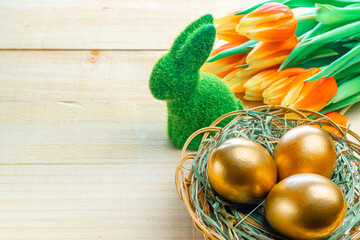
x=305 y=149
x=241 y=170
x=305 y=206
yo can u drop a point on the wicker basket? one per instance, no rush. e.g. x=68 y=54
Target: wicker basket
x=185 y=180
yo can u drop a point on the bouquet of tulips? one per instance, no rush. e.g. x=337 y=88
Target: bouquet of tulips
x=309 y=60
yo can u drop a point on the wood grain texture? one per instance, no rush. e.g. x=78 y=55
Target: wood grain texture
x=92 y=202
x=84 y=150
x=98 y=24
x=81 y=109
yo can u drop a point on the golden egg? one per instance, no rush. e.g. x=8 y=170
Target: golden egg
x=305 y=149
x=241 y=170
x=305 y=206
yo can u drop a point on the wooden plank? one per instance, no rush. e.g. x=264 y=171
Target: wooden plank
x=66 y=76
x=92 y=202
x=97 y=133
x=97 y=24
x=84 y=108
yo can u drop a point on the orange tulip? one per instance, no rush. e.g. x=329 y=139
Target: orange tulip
x=278 y=85
x=238 y=77
x=232 y=82
x=297 y=84
x=270 y=54
x=315 y=94
x=337 y=118
x=226 y=28
x=272 y=22
x=224 y=66
x=256 y=85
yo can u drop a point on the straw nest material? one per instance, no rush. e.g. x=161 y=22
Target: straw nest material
x=219 y=219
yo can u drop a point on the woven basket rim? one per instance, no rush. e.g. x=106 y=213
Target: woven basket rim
x=183 y=182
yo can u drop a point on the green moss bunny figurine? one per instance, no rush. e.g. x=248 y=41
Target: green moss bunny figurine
x=194 y=99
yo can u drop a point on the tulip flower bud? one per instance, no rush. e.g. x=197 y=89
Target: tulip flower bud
x=272 y=22
x=237 y=78
x=297 y=84
x=224 y=66
x=277 y=90
x=225 y=29
x=256 y=85
x=271 y=54
x=314 y=95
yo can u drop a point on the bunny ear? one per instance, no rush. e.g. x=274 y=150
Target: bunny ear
x=196 y=49
x=191 y=28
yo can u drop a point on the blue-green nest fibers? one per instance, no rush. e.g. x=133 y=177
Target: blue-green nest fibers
x=224 y=220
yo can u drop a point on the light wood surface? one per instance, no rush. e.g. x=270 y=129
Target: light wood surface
x=102 y=24
x=83 y=147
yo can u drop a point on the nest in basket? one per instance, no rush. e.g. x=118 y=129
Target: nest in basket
x=218 y=218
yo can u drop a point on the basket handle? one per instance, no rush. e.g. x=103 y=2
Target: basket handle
x=192 y=136
x=183 y=158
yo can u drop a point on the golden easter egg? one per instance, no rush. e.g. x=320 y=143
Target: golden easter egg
x=241 y=170
x=305 y=149
x=305 y=206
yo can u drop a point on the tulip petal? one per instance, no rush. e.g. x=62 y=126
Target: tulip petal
x=228 y=33
x=315 y=94
x=230 y=18
x=275 y=93
x=279 y=85
x=253 y=98
x=337 y=118
x=239 y=88
x=270 y=54
x=257 y=81
x=237 y=78
x=307 y=3
x=249 y=10
x=232 y=82
x=226 y=28
x=271 y=22
x=296 y=86
x=222 y=67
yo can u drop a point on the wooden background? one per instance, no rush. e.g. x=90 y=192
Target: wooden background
x=83 y=146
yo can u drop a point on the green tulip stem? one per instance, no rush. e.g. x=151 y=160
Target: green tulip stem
x=334 y=34
x=305 y=17
x=344 y=103
x=337 y=64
